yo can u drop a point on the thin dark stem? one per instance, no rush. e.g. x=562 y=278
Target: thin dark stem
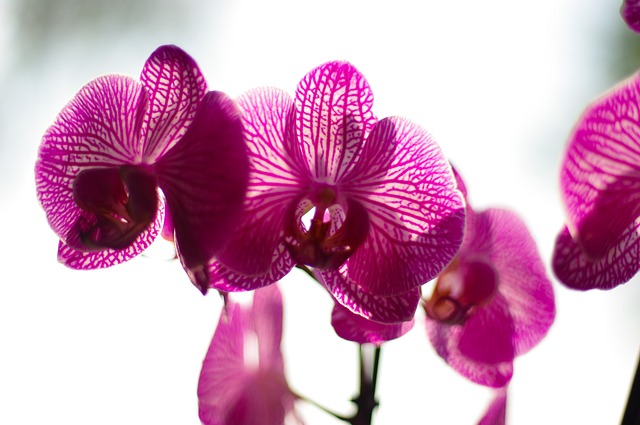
x=632 y=412
x=366 y=400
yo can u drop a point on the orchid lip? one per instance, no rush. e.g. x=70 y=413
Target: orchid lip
x=461 y=289
x=333 y=233
x=121 y=203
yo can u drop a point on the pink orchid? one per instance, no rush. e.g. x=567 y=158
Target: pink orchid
x=102 y=161
x=493 y=302
x=600 y=186
x=385 y=216
x=242 y=380
x=630 y=12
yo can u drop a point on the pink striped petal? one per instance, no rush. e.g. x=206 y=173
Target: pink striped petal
x=480 y=349
x=204 y=177
x=600 y=177
x=578 y=271
x=388 y=310
x=497 y=411
x=88 y=260
x=505 y=240
x=630 y=12
x=356 y=328
x=225 y=279
x=274 y=182
x=416 y=214
x=100 y=127
x=267 y=322
x=333 y=118
x=175 y=86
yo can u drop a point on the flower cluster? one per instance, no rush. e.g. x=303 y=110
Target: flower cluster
x=250 y=188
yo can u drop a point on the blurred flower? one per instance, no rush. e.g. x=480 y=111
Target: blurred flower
x=630 y=12
x=370 y=205
x=497 y=411
x=242 y=380
x=100 y=165
x=600 y=186
x=493 y=302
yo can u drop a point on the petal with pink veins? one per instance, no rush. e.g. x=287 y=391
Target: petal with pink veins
x=175 y=86
x=416 y=214
x=600 y=177
x=99 y=128
x=334 y=118
x=275 y=178
x=356 y=328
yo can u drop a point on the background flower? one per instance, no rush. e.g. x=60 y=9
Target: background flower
x=242 y=380
x=494 y=302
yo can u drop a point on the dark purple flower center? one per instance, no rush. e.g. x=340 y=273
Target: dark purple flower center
x=121 y=201
x=461 y=289
x=332 y=234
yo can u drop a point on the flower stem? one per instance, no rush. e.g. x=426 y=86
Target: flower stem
x=632 y=412
x=366 y=400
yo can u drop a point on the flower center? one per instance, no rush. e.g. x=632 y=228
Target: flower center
x=122 y=202
x=333 y=232
x=461 y=289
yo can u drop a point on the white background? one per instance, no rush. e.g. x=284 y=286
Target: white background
x=499 y=83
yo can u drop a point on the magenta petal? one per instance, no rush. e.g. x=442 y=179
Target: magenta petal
x=578 y=271
x=416 y=214
x=175 y=86
x=235 y=386
x=333 y=118
x=630 y=12
x=100 y=127
x=487 y=336
x=204 y=177
x=497 y=411
x=356 y=328
x=389 y=310
x=109 y=257
x=274 y=182
x=600 y=179
x=505 y=240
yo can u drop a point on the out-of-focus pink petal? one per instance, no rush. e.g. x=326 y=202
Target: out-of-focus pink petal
x=236 y=389
x=505 y=240
x=334 y=117
x=204 y=178
x=100 y=127
x=356 y=328
x=600 y=177
x=389 y=310
x=497 y=411
x=274 y=182
x=447 y=340
x=223 y=375
x=630 y=12
x=416 y=214
x=578 y=271
x=88 y=260
x=175 y=86
x=267 y=322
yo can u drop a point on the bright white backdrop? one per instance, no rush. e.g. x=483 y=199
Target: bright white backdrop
x=498 y=83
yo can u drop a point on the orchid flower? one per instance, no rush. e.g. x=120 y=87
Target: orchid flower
x=630 y=12
x=242 y=381
x=353 y=327
x=370 y=205
x=493 y=302
x=600 y=187
x=102 y=161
